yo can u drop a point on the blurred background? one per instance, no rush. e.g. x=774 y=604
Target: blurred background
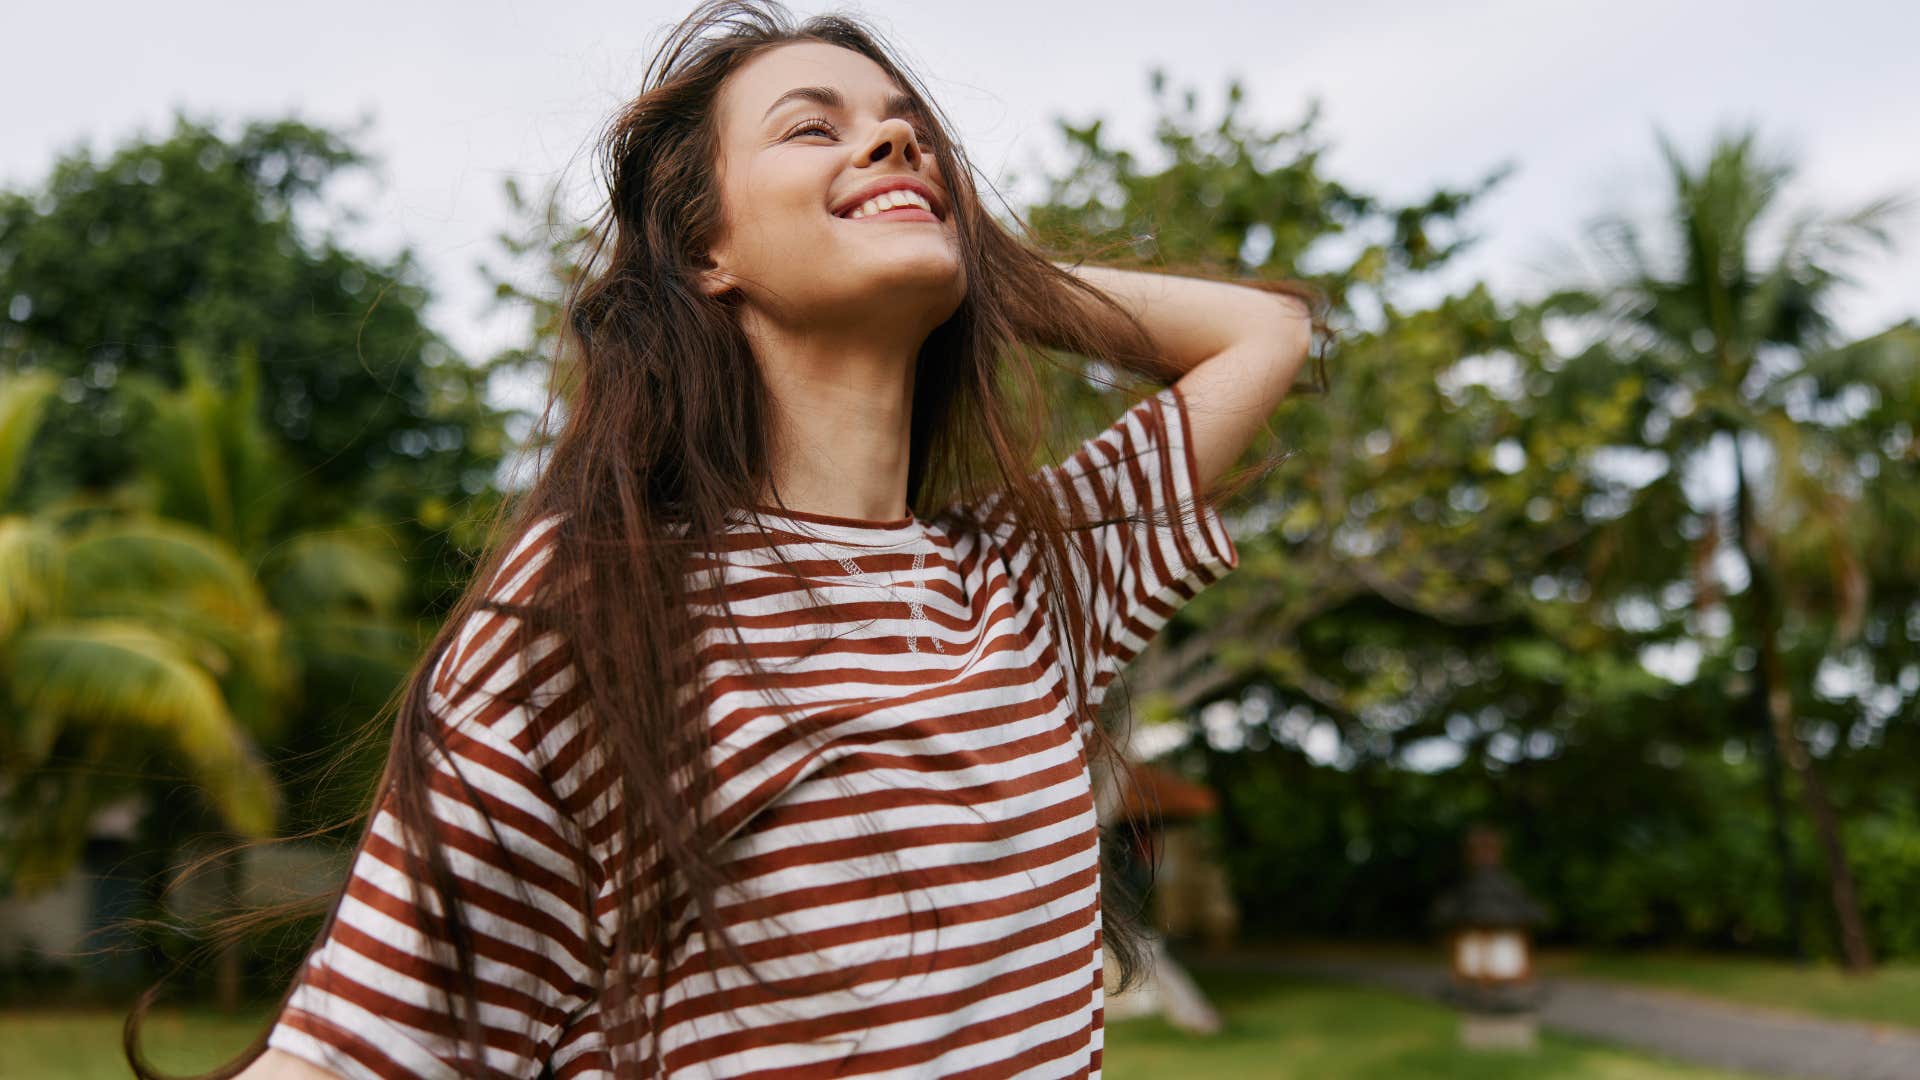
x=1560 y=719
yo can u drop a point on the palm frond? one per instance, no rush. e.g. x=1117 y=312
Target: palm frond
x=31 y=571
x=107 y=672
x=155 y=555
x=332 y=572
x=23 y=401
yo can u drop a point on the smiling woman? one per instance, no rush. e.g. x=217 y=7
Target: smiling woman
x=677 y=789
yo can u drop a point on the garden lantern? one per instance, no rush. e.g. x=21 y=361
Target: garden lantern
x=1490 y=919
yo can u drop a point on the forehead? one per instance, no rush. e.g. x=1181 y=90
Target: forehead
x=760 y=81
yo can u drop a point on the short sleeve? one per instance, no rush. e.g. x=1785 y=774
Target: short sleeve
x=372 y=1000
x=1165 y=546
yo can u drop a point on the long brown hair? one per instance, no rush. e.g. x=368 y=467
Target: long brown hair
x=664 y=431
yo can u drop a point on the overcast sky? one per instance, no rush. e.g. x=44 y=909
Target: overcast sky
x=1415 y=95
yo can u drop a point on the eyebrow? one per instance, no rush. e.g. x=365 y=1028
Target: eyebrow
x=896 y=104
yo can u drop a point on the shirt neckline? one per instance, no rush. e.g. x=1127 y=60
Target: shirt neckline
x=852 y=531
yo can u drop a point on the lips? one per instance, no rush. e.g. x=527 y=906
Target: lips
x=898 y=213
x=881 y=187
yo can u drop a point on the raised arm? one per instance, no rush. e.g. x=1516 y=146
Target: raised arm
x=1238 y=348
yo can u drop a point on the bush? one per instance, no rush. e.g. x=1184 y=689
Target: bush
x=1885 y=854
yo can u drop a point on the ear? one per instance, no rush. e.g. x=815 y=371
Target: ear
x=713 y=280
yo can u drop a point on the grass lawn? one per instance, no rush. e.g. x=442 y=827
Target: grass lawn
x=1280 y=1028
x=1891 y=995
x=85 y=1045
x=1276 y=1029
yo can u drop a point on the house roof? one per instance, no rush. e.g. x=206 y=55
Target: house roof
x=1160 y=793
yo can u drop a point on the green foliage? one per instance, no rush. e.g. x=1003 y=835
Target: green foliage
x=237 y=465
x=20 y=416
x=1888 y=846
x=141 y=639
x=121 y=673
x=185 y=250
x=1456 y=558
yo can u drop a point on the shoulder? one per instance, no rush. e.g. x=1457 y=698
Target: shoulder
x=496 y=674
x=521 y=573
x=528 y=560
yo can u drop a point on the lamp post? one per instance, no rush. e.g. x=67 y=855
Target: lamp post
x=1489 y=919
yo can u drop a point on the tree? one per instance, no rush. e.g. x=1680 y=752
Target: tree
x=171 y=620
x=1435 y=492
x=114 y=643
x=110 y=266
x=237 y=469
x=1449 y=564
x=1720 y=339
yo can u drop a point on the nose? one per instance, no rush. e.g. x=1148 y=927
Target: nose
x=895 y=131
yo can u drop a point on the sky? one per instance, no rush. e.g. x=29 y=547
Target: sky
x=1414 y=97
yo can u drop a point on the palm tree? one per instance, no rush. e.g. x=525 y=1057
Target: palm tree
x=1718 y=337
x=113 y=635
x=172 y=618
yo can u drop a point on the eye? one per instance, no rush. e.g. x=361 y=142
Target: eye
x=821 y=124
x=811 y=123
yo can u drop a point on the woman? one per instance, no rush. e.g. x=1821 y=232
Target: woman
x=731 y=762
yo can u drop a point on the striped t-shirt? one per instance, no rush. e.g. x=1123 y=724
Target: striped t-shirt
x=931 y=844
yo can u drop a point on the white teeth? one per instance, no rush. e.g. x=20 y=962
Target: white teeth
x=890 y=199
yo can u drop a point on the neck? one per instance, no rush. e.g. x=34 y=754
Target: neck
x=842 y=421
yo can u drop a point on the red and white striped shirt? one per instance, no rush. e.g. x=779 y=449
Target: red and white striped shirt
x=930 y=843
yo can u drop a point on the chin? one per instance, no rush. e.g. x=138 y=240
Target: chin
x=916 y=270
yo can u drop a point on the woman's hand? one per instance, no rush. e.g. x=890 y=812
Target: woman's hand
x=1238 y=349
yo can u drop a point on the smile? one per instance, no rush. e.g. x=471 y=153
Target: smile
x=898 y=213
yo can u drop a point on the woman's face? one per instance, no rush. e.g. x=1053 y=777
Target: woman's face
x=788 y=162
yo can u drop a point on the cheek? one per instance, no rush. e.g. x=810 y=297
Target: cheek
x=778 y=218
